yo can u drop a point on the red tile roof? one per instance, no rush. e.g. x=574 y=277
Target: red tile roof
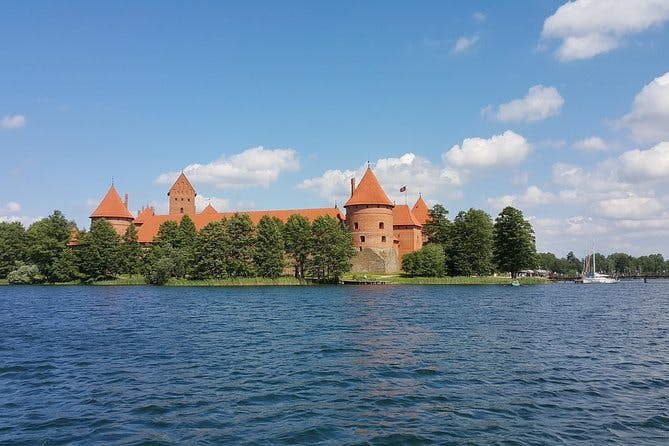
x=149 y=229
x=369 y=191
x=402 y=216
x=144 y=215
x=420 y=211
x=209 y=210
x=111 y=206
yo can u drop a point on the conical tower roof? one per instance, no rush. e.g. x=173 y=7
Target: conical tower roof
x=421 y=211
x=369 y=191
x=112 y=206
x=182 y=183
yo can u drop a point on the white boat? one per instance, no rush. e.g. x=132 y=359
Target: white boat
x=590 y=274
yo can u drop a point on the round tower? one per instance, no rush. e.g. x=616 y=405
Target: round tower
x=114 y=210
x=369 y=216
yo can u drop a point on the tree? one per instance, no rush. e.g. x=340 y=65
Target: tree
x=242 y=246
x=429 y=261
x=13 y=246
x=469 y=249
x=297 y=239
x=269 y=254
x=437 y=227
x=573 y=266
x=187 y=239
x=168 y=234
x=47 y=239
x=131 y=251
x=158 y=265
x=514 y=243
x=212 y=251
x=99 y=251
x=621 y=263
x=331 y=249
x=24 y=275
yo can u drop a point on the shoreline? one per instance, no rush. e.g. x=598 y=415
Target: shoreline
x=357 y=279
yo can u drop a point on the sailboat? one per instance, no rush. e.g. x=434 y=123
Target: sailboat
x=590 y=274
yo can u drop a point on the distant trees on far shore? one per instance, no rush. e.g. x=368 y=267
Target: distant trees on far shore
x=230 y=248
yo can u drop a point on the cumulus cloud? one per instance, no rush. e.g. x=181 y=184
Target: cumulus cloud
x=533 y=196
x=650 y=112
x=464 y=43
x=539 y=103
x=9 y=213
x=220 y=204
x=10 y=207
x=587 y=28
x=591 y=144
x=417 y=173
x=252 y=167
x=479 y=17
x=13 y=121
x=506 y=149
x=648 y=164
x=631 y=207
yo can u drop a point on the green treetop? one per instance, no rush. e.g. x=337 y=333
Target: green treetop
x=514 y=244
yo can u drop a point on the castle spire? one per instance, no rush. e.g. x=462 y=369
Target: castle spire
x=369 y=191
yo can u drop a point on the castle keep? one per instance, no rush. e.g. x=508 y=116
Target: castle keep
x=382 y=231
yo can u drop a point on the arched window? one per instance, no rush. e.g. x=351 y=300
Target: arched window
x=182 y=210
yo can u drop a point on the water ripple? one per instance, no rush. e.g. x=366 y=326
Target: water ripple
x=557 y=364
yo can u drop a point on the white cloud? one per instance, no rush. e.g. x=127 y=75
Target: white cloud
x=500 y=150
x=631 y=207
x=533 y=196
x=479 y=17
x=13 y=122
x=649 y=117
x=416 y=173
x=648 y=164
x=10 y=207
x=252 y=167
x=220 y=204
x=539 y=103
x=464 y=43
x=591 y=27
x=591 y=144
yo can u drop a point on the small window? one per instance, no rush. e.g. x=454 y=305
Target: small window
x=189 y=199
x=355 y=225
x=383 y=238
x=362 y=238
x=380 y=225
x=182 y=210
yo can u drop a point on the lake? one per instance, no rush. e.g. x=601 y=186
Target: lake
x=550 y=364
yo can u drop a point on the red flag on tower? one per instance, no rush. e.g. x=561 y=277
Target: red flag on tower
x=403 y=189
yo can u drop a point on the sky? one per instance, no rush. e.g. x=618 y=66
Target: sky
x=558 y=109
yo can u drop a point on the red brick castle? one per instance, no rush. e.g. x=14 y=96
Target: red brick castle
x=382 y=231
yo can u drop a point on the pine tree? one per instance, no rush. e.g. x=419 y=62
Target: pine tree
x=269 y=252
x=242 y=246
x=297 y=240
x=212 y=251
x=514 y=245
x=187 y=236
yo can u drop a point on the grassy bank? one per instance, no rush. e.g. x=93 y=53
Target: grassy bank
x=394 y=279
x=459 y=280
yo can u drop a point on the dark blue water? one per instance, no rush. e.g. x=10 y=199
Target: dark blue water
x=558 y=364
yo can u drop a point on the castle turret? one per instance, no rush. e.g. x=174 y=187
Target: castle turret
x=420 y=211
x=369 y=215
x=182 y=196
x=114 y=210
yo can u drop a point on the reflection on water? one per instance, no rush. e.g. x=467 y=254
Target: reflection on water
x=380 y=364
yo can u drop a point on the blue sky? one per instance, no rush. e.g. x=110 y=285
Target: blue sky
x=561 y=110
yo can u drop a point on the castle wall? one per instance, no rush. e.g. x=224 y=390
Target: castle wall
x=120 y=225
x=410 y=240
